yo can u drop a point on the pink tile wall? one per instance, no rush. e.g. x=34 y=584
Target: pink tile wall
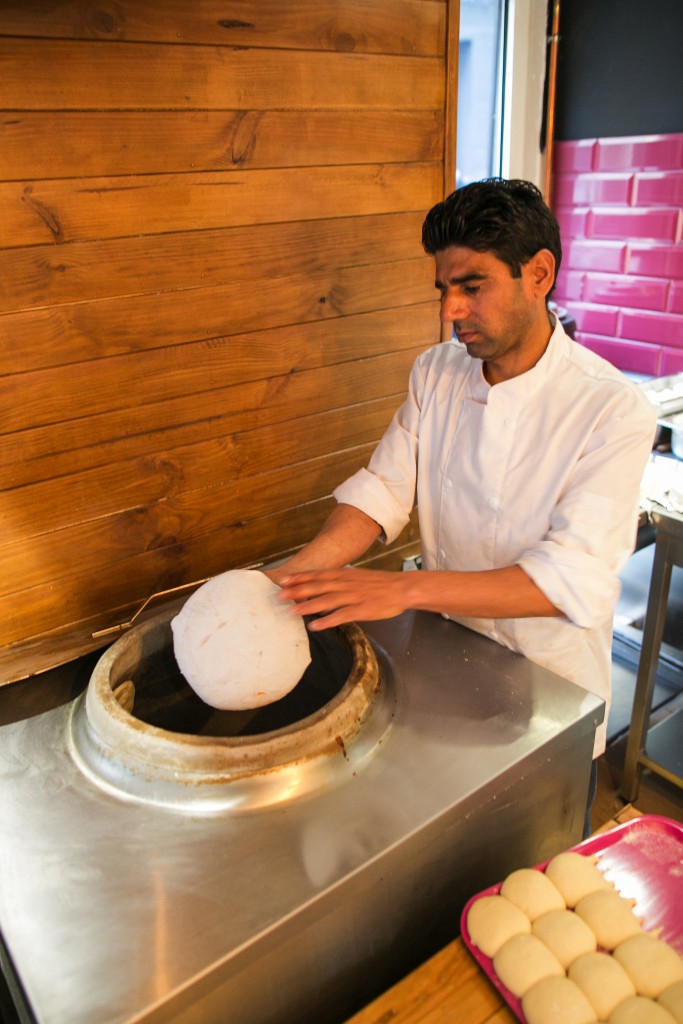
x=619 y=203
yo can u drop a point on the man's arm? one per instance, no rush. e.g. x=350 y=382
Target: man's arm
x=345 y=536
x=349 y=595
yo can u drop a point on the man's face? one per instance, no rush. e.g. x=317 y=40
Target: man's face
x=499 y=318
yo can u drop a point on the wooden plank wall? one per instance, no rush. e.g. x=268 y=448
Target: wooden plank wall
x=211 y=285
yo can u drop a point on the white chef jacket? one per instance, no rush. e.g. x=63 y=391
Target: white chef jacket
x=541 y=471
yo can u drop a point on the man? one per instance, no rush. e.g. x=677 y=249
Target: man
x=523 y=450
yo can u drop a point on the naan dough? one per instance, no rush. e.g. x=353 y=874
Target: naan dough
x=237 y=644
x=672 y=1000
x=651 y=964
x=531 y=891
x=639 y=1010
x=565 y=934
x=610 y=916
x=522 y=961
x=603 y=981
x=492 y=920
x=557 y=1000
x=575 y=875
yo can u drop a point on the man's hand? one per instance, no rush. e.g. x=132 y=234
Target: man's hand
x=346 y=595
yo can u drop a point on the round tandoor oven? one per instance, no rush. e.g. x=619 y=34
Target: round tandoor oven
x=142 y=730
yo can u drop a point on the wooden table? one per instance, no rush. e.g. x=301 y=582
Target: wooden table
x=450 y=988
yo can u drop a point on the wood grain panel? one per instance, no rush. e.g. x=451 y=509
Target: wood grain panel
x=78 y=598
x=104 y=490
x=82 y=440
x=212 y=286
x=129 y=434
x=82 y=596
x=68 y=210
x=66 y=75
x=384 y=26
x=23 y=661
x=121 y=535
x=47 y=275
x=63 y=335
x=49 y=145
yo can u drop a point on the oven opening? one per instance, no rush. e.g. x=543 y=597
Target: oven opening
x=163 y=698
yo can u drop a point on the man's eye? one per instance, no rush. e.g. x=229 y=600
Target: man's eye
x=471 y=289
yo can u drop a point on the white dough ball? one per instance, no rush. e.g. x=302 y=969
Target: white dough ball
x=672 y=1000
x=522 y=961
x=237 y=644
x=603 y=980
x=531 y=891
x=557 y=1000
x=610 y=916
x=492 y=920
x=639 y=1010
x=575 y=875
x=651 y=963
x=565 y=934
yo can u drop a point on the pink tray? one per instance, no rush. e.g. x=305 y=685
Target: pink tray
x=643 y=858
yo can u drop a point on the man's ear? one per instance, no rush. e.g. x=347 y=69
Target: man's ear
x=541 y=272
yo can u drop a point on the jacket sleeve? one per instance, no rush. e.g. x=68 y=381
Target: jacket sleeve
x=385 y=491
x=593 y=526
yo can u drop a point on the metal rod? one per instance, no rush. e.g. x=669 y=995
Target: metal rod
x=120 y=627
x=553 y=40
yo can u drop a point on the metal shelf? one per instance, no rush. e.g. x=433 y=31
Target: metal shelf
x=664 y=748
x=661 y=748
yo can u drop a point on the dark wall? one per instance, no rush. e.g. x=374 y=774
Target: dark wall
x=620 y=70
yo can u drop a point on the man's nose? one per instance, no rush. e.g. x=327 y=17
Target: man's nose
x=453 y=307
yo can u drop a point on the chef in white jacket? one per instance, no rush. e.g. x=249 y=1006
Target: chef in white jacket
x=523 y=450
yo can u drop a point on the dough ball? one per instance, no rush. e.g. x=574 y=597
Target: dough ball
x=558 y=1000
x=575 y=875
x=603 y=981
x=639 y=1010
x=610 y=916
x=531 y=891
x=237 y=644
x=492 y=920
x=565 y=934
x=651 y=964
x=522 y=961
x=672 y=1000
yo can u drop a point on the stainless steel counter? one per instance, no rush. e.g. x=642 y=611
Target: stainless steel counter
x=294 y=908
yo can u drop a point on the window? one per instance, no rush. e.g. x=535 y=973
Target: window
x=480 y=89
x=501 y=79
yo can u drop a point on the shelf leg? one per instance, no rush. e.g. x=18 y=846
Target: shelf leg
x=653 y=632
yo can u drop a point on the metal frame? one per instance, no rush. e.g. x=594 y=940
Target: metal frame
x=668 y=552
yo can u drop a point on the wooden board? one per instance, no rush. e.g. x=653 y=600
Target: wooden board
x=83 y=75
x=386 y=26
x=212 y=285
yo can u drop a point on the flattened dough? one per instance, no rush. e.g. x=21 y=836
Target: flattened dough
x=639 y=1010
x=603 y=981
x=672 y=1000
x=237 y=644
x=531 y=891
x=651 y=964
x=522 y=961
x=575 y=875
x=558 y=1000
x=610 y=916
x=565 y=934
x=492 y=920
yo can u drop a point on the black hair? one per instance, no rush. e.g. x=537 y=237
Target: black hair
x=506 y=217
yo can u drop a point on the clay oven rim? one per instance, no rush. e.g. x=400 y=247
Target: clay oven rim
x=127 y=738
